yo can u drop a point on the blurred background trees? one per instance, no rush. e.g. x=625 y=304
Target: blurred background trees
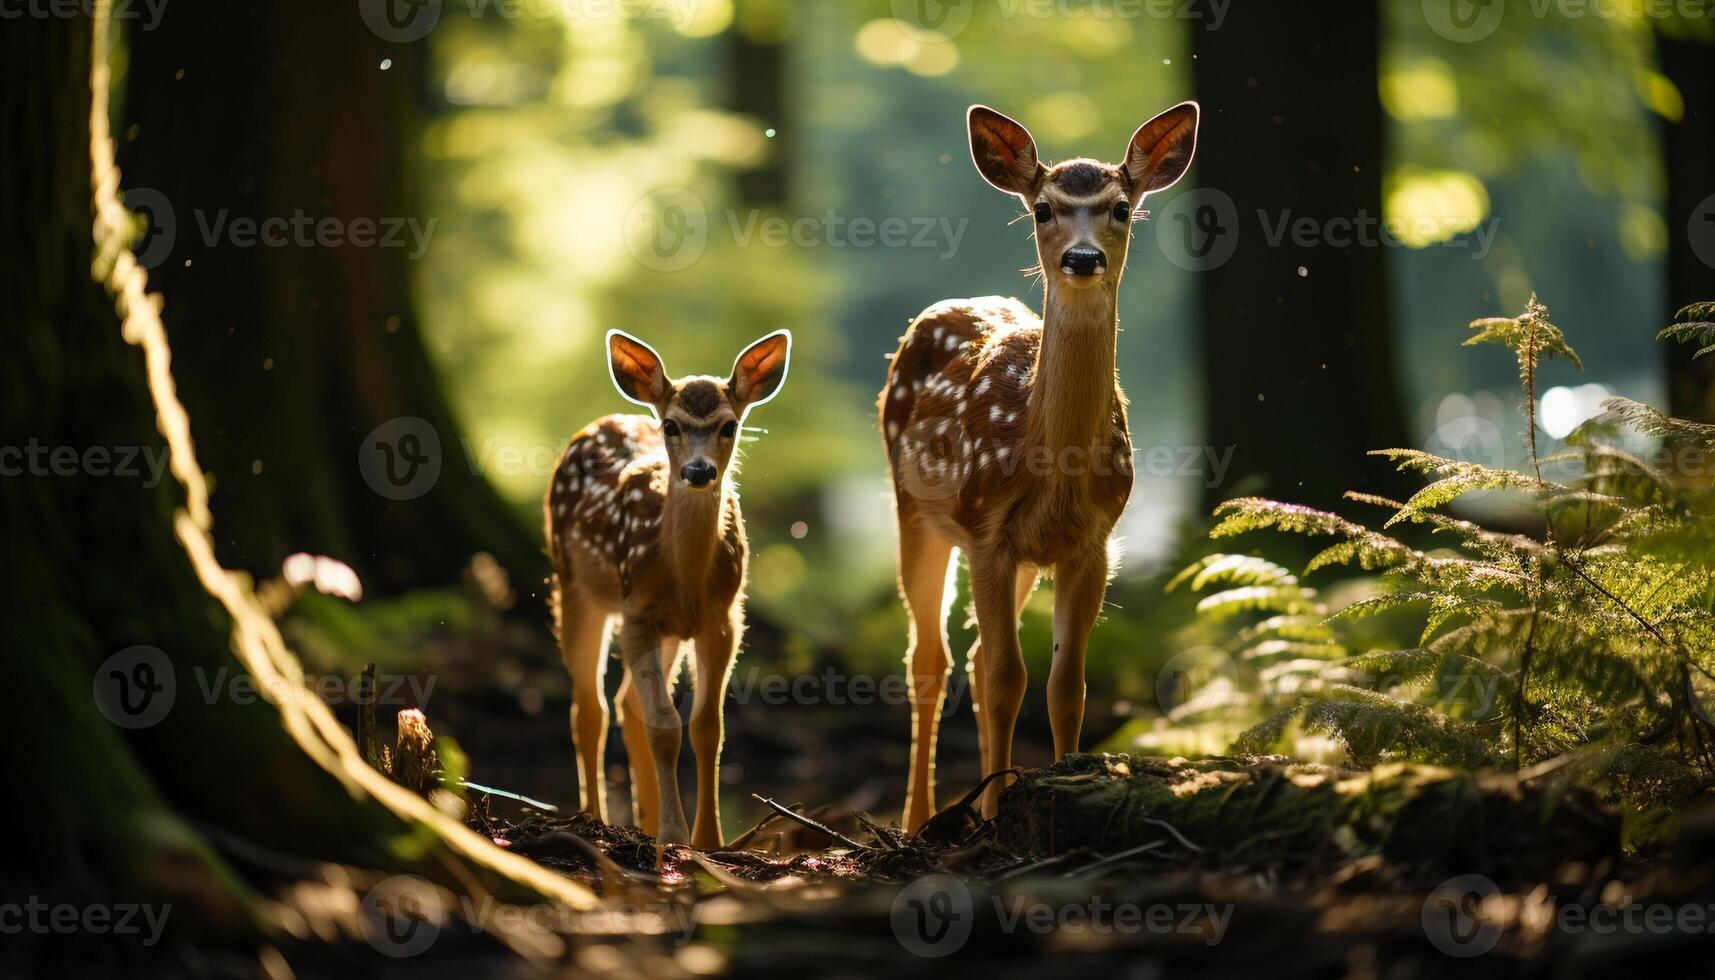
x=700 y=173
x=1297 y=337
x=290 y=355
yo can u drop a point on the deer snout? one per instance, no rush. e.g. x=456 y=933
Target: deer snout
x=698 y=473
x=1083 y=260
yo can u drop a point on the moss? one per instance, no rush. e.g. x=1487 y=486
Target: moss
x=1271 y=812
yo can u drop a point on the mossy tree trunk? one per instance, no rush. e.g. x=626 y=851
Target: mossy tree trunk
x=167 y=796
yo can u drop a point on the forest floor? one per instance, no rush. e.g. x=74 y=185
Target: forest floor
x=1127 y=864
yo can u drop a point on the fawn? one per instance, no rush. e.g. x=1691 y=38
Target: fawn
x=643 y=523
x=1006 y=439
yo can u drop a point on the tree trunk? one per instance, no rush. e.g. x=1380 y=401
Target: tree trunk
x=302 y=361
x=757 y=87
x=1299 y=372
x=1688 y=153
x=137 y=775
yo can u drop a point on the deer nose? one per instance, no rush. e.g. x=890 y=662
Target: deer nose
x=698 y=472
x=1083 y=260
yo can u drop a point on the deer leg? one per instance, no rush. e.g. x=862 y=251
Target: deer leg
x=643 y=730
x=979 y=675
x=994 y=583
x=650 y=673
x=584 y=631
x=1078 y=590
x=923 y=560
x=635 y=734
x=715 y=650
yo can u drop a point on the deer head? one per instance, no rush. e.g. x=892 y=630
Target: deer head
x=1083 y=208
x=700 y=415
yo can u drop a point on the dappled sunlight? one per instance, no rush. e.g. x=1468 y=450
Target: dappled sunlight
x=1426 y=207
x=1419 y=90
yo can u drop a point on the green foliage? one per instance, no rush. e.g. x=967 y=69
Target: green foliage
x=1592 y=637
x=1693 y=326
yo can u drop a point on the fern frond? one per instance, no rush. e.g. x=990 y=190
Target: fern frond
x=1451 y=605
x=1493 y=544
x=1275 y=649
x=1695 y=326
x=1421 y=665
x=1464 y=573
x=1245 y=514
x=1369 y=550
x=1376 y=604
x=1223 y=569
x=1652 y=422
x=1530 y=336
x=1468 y=478
x=1376 y=728
x=1267 y=736
x=1302 y=628
x=1286 y=600
x=1611 y=469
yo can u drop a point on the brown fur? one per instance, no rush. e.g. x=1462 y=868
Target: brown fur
x=1006 y=438
x=625 y=548
x=633 y=539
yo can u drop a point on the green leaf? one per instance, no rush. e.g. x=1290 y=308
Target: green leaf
x=1231 y=570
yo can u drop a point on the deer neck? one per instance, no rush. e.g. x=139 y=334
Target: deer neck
x=1072 y=396
x=691 y=527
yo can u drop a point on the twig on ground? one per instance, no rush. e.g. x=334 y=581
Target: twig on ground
x=491 y=791
x=881 y=833
x=743 y=840
x=812 y=824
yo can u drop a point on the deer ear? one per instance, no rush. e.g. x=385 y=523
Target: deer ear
x=637 y=370
x=1003 y=151
x=1161 y=150
x=760 y=371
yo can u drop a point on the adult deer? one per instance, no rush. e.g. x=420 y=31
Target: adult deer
x=644 y=526
x=1006 y=439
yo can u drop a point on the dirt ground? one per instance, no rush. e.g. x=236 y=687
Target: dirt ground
x=1131 y=866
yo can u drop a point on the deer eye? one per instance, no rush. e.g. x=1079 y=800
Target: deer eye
x=1043 y=214
x=670 y=428
x=1122 y=211
x=729 y=430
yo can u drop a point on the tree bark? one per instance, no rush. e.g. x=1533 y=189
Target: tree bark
x=132 y=785
x=300 y=353
x=1299 y=371
x=757 y=87
x=1688 y=155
